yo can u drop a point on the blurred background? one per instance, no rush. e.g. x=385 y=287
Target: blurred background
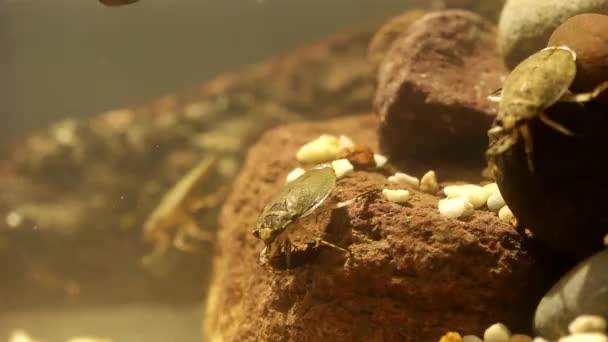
x=71 y=58
x=76 y=58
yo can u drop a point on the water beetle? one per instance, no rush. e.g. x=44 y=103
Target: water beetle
x=534 y=85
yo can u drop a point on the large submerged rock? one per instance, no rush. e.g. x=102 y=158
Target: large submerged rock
x=413 y=274
x=435 y=79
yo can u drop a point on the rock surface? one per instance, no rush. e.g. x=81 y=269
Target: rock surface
x=413 y=275
x=525 y=25
x=436 y=79
x=388 y=34
x=582 y=291
x=587 y=35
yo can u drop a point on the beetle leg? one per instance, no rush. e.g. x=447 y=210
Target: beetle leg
x=353 y=200
x=555 y=125
x=287 y=250
x=585 y=97
x=503 y=144
x=528 y=145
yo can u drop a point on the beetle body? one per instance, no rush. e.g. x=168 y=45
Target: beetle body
x=295 y=200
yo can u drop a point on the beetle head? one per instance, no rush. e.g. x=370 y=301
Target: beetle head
x=271 y=225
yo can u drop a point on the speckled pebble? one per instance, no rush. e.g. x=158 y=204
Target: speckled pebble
x=591 y=337
x=525 y=25
x=581 y=291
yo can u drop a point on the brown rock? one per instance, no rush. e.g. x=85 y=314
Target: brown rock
x=360 y=156
x=413 y=276
x=433 y=87
x=388 y=34
x=587 y=35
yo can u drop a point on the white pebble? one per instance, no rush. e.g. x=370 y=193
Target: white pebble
x=428 y=183
x=490 y=188
x=477 y=195
x=588 y=337
x=520 y=338
x=606 y=240
x=587 y=324
x=455 y=207
x=14 y=219
x=342 y=167
x=403 y=178
x=495 y=201
x=497 y=332
x=539 y=339
x=323 y=148
x=345 y=141
x=294 y=174
x=397 y=196
x=505 y=214
x=20 y=336
x=380 y=160
x=471 y=338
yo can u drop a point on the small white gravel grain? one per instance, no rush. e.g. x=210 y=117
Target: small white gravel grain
x=397 y=196
x=539 y=339
x=455 y=207
x=490 y=188
x=606 y=240
x=321 y=149
x=497 y=332
x=587 y=324
x=588 y=337
x=505 y=214
x=477 y=195
x=428 y=182
x=342 y=167
x=471 y=338
x=495 y=201
x=380 y=160
x=345 y=141
x=294 y=174
x=404 y=178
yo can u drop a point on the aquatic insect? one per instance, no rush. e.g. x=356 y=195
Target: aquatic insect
x=534 y=85
x=297 y=199
x=175 y=213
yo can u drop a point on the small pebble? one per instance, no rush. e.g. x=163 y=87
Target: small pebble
x=403 y=178
x=587 y=324
x=471 y=338
x=428 y=183
x=322 y=149
x=539 y=339
x=520 y=338
x=606 y=240
x=380 y=160
x=342 y=167
x=495 y=201
x=455 y=207
x=451 y=337
x=477 y=195
x=345 y=141
x=360 y=156
x=497 y=332
x=505 y=214
x=588 y=337
x=294 y=174
x=397 y=196
x=491 y=188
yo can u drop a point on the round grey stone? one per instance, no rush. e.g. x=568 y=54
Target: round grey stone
x=583 y=290
x=525 y=26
